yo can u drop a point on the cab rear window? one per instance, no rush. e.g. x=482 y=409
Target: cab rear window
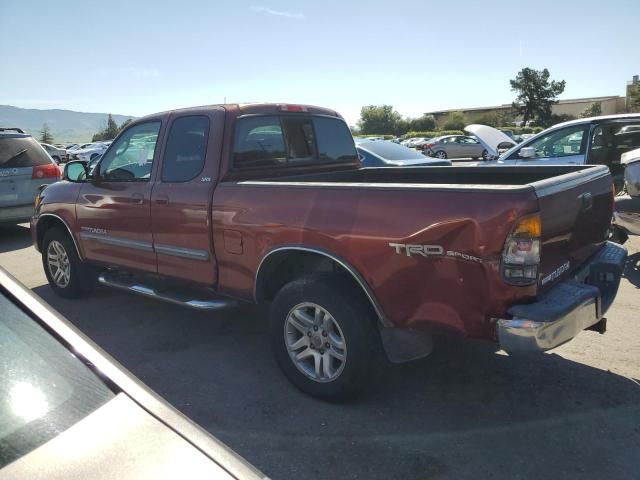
x=21 y=152
x=280 y=141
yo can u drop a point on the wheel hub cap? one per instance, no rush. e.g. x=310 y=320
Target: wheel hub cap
x=58 y=263
x=315 y=342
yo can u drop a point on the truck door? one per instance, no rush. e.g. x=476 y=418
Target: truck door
x=565 y=146
x=182 y=195
x=113 y=208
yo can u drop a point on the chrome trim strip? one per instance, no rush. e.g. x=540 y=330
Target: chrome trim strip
x=117 y=241
x=75 y=243
x=190 y=253
x=357 y=277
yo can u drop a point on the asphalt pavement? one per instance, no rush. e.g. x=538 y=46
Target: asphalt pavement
x=465 y=412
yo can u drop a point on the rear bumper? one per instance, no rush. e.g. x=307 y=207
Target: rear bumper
x=570 y=307
x=17 y=214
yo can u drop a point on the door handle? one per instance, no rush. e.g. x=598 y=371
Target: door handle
x=137 y=198
x=162 y=200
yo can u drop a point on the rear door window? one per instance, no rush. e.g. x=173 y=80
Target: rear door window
x=21 y=152
x=278 y=141
x=186 y=149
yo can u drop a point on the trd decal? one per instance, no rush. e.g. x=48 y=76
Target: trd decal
x=431 y=251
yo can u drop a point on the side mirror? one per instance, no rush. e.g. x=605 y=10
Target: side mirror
x=75 y=171
x=527 y=152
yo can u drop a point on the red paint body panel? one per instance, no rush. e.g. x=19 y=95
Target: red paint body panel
x=237 y=223
x=413 y=291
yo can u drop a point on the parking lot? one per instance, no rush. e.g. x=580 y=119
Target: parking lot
x=467 y=411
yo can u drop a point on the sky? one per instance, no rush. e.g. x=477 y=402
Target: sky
x=140 y=57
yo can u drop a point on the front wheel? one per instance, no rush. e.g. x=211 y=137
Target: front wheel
x=323 y=336
x=62 y=266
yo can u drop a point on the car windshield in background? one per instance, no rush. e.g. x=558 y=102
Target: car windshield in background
x=44 y=388
x=21 y=152
x=392 y=151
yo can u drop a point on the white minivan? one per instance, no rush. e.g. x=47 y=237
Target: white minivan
x=597 y=140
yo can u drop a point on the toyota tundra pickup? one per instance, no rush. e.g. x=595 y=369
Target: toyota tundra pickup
x=208 y=206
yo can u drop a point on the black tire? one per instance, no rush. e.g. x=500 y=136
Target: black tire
x=79 y=277
x=485 y=155
x=356 y=323
x=440 y=154
x=618 y=235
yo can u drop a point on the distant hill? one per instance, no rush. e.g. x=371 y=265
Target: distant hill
x=65 y=125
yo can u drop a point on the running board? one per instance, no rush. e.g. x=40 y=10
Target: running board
x=198 y=300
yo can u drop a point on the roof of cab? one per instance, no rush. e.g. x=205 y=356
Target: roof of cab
x=247 y=109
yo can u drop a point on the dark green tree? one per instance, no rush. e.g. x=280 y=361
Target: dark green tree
x=45 y=134
x=425 y=123
x=563 y=117
x=379 y=119
x=593 y=110
x=634 y=98
x=536 y=94
x=111 y=130
x=125 y=124
x=455 y=121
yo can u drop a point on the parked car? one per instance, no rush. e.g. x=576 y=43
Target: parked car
x=389 y=154
x=597 y=140
x=421 y=144
x=62 y=393
x=412 y=142
x=352 y=260
x=59 y=155
x=455 y=146
x=24 y=167
x=88 y=152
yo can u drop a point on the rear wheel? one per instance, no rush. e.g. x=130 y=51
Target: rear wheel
x=440 y=154
x=65 y=271
x=323 y=336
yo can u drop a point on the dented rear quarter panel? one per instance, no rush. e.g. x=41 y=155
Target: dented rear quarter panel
x=358 y=224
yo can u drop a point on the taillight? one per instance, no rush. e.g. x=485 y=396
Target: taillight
x=521 y=255
x=429 y=145
x=49 y=170
x=283 y=107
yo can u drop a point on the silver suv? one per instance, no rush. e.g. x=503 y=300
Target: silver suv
x=24 y=167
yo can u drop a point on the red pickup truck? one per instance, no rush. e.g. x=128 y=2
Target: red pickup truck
x=269 y=202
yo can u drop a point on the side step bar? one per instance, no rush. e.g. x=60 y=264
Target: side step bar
x=198 y=300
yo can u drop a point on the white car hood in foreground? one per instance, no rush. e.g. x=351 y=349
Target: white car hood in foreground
x=492 y=139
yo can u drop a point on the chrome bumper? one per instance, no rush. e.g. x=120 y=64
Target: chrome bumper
x=570 y=307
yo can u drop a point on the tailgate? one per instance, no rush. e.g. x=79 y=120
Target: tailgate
x=16 y=186
x=576 y=211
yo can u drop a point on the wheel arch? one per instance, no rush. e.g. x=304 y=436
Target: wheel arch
x=46 y=221
x=284 y=264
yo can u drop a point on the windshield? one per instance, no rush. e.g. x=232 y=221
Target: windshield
x=392 y=151
x=44 y=388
